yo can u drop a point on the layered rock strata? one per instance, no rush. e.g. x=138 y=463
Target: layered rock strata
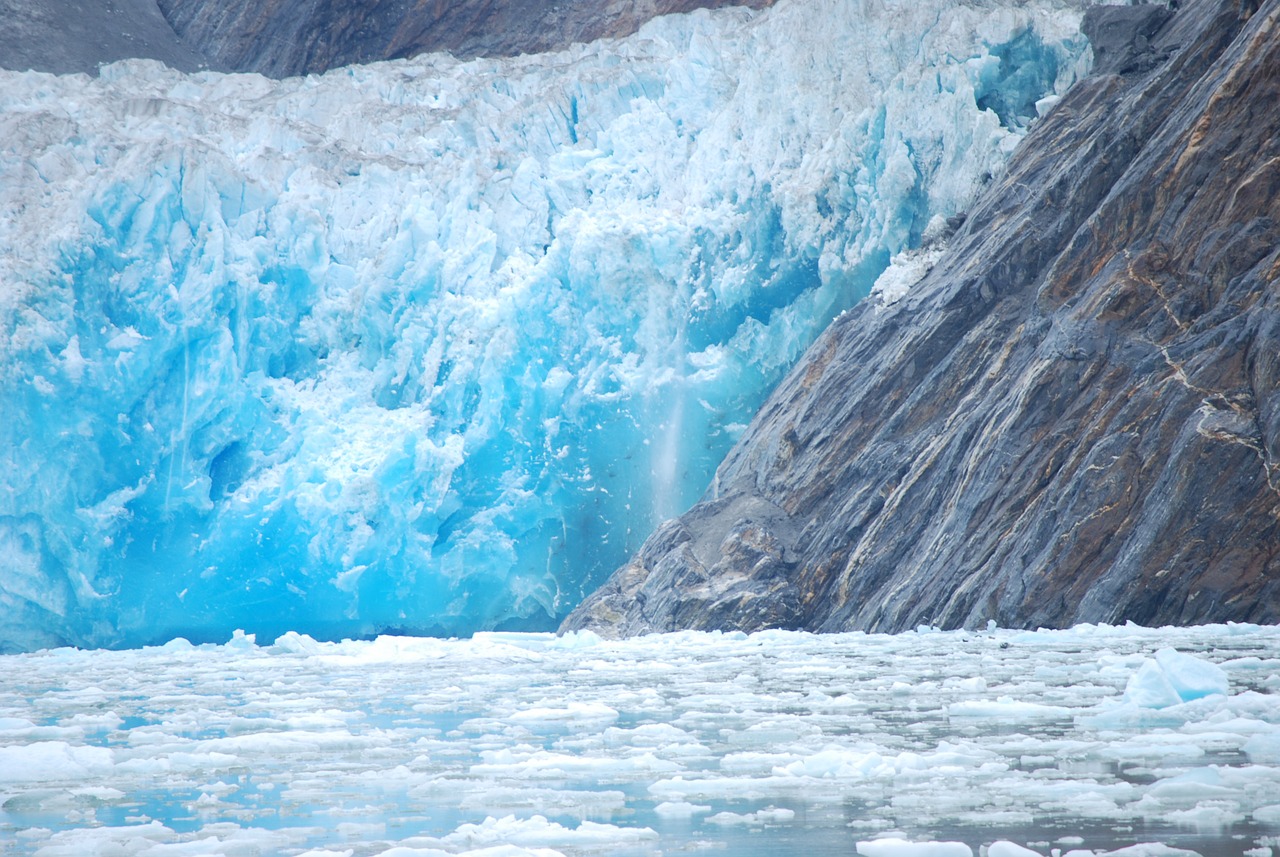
x=1073 y=417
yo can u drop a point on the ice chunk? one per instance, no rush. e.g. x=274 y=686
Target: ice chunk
x=1150 y=687
x=1004 y=848
x=1173 y=677
x=543 y=764
x=769 y=815
x=582 y=714
x=681 y=809
x=1149 y=849
x=1191 y=677
x=1004 y=708
x=538 y=831
x=53 y=761
x=905 y=270
x=894 y=847
x=1208 y=815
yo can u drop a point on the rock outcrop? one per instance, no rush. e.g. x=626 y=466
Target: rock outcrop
x=1075 y=416
x=68 y=36
x=280 y=38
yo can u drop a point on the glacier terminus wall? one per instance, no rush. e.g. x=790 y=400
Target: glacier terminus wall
x=431 y=345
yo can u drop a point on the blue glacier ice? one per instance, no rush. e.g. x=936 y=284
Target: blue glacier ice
x=430 y=346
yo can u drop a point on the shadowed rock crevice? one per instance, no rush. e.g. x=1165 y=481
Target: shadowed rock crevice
x=1073 y=417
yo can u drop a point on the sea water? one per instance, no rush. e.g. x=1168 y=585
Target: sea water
x=1092 y=739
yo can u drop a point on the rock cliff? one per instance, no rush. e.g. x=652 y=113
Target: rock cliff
x=280 y=38
x=1074 y=416
x=68 y=36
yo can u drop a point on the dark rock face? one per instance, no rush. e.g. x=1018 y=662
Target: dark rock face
x=1074 y=417
x=1121 y=37
x=280 y=38
x=68 y=36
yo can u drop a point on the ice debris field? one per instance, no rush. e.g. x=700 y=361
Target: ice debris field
x=1092 y=740
x=431 y=346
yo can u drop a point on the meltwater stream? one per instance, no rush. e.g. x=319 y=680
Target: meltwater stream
x=1090 y=740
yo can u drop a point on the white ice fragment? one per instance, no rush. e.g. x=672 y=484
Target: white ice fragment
x=73 y=361
x=769 y=815
x=1149 y=687
x=294 y=643
x=544 y=764
x=1269 y=814
x=906 y=269
x=1044 y=105
x=576 y=640
x=104 y=841
x=583 y=714
x=15 y=724
x=841 y=763
x=242 y=641
x=1148 y=849
x=680 y=809
x=1207 y=815
x=415 y=851
x=538 y=831
x=50 y=761
x=1005 y=848
x=1008 y=709
x=894 y=847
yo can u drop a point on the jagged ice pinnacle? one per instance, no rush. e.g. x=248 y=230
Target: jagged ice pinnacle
x=431 y=345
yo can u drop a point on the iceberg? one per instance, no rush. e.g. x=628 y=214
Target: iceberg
x=430 y=346
x=1172 y=678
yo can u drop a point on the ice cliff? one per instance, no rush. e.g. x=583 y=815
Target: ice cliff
x=1073 y=416
x=433 y=345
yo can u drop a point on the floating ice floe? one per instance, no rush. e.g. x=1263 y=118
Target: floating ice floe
x=988 y=744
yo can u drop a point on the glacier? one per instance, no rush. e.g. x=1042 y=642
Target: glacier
x=430 y=346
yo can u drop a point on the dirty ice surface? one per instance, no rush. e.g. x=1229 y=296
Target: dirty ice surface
x=996 y=743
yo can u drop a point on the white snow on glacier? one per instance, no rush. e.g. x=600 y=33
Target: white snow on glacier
x=432 y=345
x=1126 y=741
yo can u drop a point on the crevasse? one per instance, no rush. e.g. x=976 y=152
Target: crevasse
x=431 y=346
